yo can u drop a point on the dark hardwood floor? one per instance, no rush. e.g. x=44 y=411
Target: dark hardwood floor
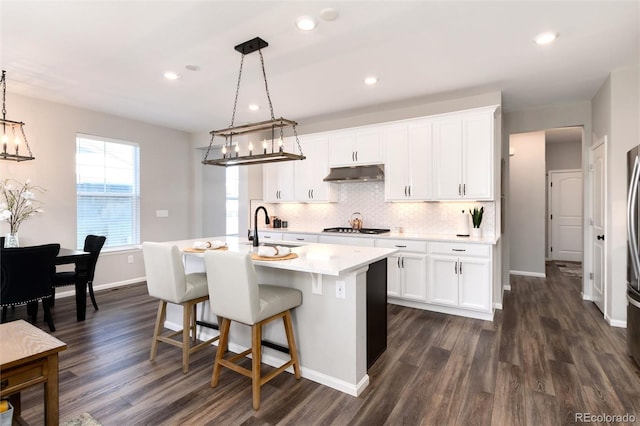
x=547 y=356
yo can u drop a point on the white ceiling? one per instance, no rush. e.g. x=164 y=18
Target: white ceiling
x=111 y=55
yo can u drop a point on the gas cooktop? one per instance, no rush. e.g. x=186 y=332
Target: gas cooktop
x=346 y=230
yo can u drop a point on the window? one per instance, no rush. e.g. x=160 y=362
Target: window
x=232 y=184
x=108 y=190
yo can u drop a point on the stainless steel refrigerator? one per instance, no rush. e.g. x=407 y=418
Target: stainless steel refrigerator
x=633 y=258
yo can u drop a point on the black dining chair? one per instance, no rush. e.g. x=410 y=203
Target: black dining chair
x=92 y=244
x=26 y=277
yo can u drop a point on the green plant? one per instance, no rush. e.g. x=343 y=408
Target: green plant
x=476 y=216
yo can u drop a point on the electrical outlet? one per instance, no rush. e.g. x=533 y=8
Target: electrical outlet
x=340 y=290
x=130 y=258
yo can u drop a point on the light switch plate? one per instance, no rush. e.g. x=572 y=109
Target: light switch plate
x=162 y=213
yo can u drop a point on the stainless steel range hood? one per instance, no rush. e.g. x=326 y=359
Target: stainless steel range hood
x=373 y=173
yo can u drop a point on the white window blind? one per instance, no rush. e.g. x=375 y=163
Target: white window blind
x=108 y=190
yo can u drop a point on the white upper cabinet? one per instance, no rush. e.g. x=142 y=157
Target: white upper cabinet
x=309 y=173
x=408 y=172
x=463 y=155
x=355 y=147
x=278 y=178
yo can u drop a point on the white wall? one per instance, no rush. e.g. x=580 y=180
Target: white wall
x=563 y=156
x=165 y=178
x=526 y=203
x=615 y=114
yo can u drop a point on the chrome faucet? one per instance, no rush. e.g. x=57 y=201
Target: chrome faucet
x=255 y=224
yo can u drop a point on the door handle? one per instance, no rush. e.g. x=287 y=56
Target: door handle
x=600 y=237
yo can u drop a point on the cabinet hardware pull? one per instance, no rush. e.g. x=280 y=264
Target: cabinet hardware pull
x=353 y=156
x=460 y=268
x=312 y=193
x=403 y=262
x=455 y=268
x=459 y=189
x=356 y=155
x=399 y=246
x=300 y=239
x=266 y=236
x=409 y=190
x=4 y=383
x=464 y=189
x=405 y=190
x=398 y=262
x=458 y=249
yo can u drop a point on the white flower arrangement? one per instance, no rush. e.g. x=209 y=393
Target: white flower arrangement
x=18 y=202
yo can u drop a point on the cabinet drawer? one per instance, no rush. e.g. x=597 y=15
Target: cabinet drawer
x=272 y=236
x=403 y=245
x=460 y=249
x=14 y=380
x=300 y=237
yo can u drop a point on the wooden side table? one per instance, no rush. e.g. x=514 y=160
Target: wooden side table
x=29 y=356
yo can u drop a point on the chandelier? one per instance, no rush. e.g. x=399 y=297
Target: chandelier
x=272 y=148
x=12 y=131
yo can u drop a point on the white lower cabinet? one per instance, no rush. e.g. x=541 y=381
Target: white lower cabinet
x=406 y=269
x=299 y=238
x=460 y=275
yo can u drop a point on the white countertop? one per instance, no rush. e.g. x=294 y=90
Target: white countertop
x=389 y=235
x=326 y=259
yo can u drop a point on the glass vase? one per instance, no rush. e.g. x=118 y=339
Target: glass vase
x=11 y=240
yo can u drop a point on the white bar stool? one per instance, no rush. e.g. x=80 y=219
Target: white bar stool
x=238 y=297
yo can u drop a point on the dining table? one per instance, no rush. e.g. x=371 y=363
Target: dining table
x=81 y=261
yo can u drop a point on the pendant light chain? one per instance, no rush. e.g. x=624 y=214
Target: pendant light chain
x=266 y=87
x=235 y=102
x=273 y=117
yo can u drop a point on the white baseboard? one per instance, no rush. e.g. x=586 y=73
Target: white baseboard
x=71 y=289
x=529 y=274
x=616 y=323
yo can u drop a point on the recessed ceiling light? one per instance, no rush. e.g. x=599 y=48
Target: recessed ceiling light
x=306 y=23
x=545 y=38
x=329 y=14
x=371 y=80
x=170 y=75
x=254 y=107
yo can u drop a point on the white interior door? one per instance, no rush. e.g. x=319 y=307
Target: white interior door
x=566 y=215
x=598 y=164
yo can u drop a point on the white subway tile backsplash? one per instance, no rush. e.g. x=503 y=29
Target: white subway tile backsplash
x=368 y=199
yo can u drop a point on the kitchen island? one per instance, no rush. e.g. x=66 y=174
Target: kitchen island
x=343 y=309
